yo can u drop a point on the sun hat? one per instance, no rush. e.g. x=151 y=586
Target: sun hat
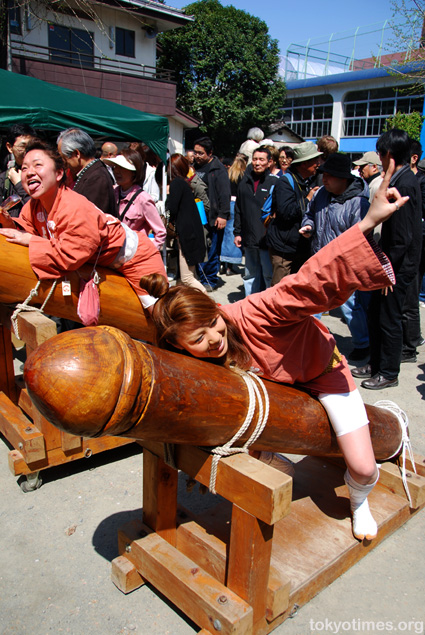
x=305 y=151
x=121 y=161
x=371 y=158
x=339 y=165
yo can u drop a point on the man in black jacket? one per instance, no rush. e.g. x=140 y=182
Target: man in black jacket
x=249 y=229
x=288 y=250
x=401 y=240
x=215 y=176
x=91 y=176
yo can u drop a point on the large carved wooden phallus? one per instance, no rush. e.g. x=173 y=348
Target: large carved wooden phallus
x=98 y=381
x=119 y=304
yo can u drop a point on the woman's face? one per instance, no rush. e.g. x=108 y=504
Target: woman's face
x=40 y=178
x=284 y=161
x=123 y=177
x=205 y=341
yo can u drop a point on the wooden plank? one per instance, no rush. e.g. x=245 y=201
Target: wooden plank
x=20 y=432
x=160 y=484
x=192 y=590
x=70 y=442
x=35 y=328
x=125 y=575
x=249 y=560
x=25 y=403
x=314 y=545
x=270 y=491
x=7 y=372
x=52 y=435
x=18 y=465
x=390 y=477
x=419 y=463
x=200 y=544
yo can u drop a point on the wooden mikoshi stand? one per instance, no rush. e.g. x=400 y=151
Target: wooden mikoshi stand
x=37 y=444
x=265 y=550
x=272 y=542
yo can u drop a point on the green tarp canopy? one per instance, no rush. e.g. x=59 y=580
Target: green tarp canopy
x=48 y=107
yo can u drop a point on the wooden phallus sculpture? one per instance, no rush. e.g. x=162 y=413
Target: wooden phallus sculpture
x=98 y=381
x=119 y=304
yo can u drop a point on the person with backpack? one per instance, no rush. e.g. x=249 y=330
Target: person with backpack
x=288 y=250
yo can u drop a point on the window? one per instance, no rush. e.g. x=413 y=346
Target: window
x=124 y=42
x=14 y=13
x=366 y=111
x=310 y=117
x=70 y=46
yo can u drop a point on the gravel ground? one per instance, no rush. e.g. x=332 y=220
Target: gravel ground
x=58 y=541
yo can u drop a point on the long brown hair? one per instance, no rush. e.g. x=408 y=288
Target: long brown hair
x=186 y=308
x=178 y=166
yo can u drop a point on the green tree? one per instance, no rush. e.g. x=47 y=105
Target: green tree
x=227 y=71
x=411 y=123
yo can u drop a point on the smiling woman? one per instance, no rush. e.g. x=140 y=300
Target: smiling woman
x=274 y=333
x=64 y=230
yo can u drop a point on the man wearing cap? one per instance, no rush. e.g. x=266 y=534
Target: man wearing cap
x=370 y=170
x=90 y=175
x=288 y=250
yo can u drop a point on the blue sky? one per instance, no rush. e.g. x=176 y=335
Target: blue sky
x=297 y=21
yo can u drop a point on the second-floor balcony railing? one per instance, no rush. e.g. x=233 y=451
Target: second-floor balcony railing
x=85 y=59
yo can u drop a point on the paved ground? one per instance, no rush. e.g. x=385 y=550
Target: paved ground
x=57 y=544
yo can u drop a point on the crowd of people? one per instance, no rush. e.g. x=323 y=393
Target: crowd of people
x=312 y=231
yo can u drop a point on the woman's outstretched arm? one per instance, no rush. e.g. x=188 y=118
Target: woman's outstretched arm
x=387 y=200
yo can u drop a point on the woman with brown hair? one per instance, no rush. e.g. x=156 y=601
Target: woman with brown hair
x=185 y=215
x=274 y=332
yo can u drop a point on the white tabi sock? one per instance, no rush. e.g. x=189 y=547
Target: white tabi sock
x=364 y=525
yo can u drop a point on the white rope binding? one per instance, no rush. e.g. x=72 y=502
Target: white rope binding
x=256 y=400
x=24 y=305
x=405 y=440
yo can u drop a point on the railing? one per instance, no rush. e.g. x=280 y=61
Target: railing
x=84 y=59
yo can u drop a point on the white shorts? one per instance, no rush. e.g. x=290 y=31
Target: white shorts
x=346 y=411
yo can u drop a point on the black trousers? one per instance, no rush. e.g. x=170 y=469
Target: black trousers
x=411 y=319
x=386 y=329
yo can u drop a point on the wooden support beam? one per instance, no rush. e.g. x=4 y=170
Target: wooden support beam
x=249 y=557
x=160 y=483
x=270 y=491
x=125 y=575
x=419 y=463
x=18 y=465
x=70 y=442
x=201 y=544
x=35 y=328
x=7 y=372
x=203 y=599
x=20 y=432
x=390 y=477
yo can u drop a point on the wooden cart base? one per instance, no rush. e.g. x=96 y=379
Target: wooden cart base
x=262 y=552
x=36 y=443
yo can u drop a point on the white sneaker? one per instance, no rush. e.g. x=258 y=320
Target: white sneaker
x=278 y=461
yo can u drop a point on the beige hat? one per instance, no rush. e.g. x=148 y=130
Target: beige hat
x=371 y=158
x=305 y=151
x=121 y=161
